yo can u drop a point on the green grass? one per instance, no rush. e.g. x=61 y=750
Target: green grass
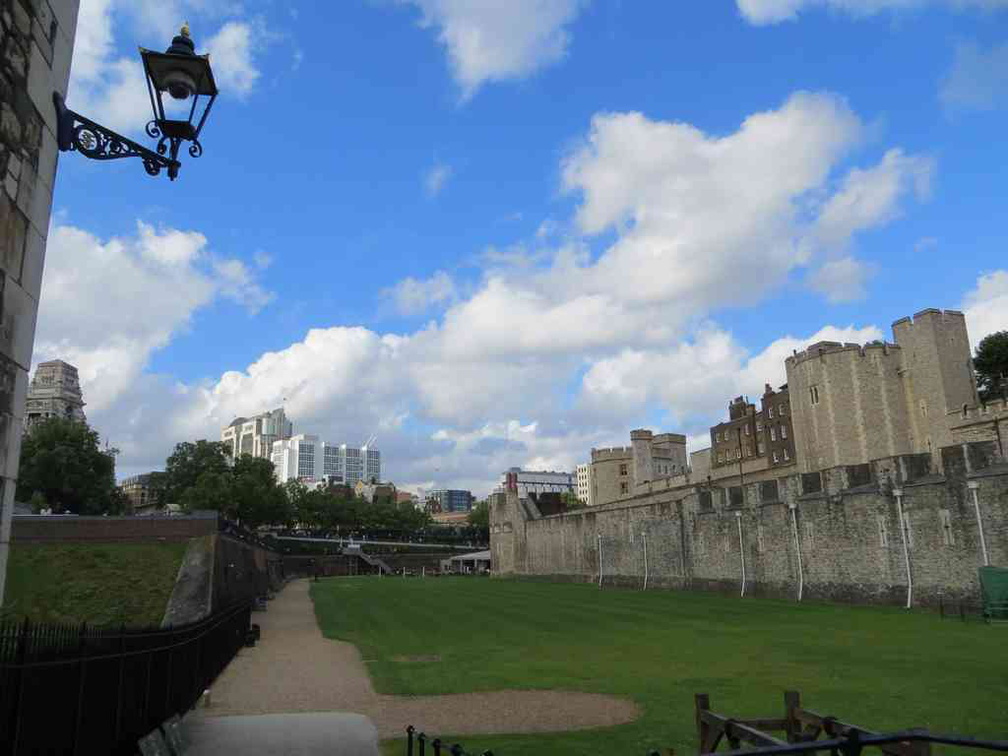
x=101 y=584
x=882 y=668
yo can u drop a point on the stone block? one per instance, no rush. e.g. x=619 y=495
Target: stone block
x=11 y=128
x=40 y=35
x=40 y=88
x=65 y=12
x=33 y=262
x=13 y=230
x=47 y=155
x=21 y=18
x=14 y=56
x=61 y=59
x=11 y=186
x=17 y=324
x=14 y=165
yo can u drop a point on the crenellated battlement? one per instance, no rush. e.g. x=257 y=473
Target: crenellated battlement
x=929 y=315
x=820 y=348
x=611 y=452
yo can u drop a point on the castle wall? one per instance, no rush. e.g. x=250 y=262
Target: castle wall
x=938 y=371
x=848 y=534
x=861 y=412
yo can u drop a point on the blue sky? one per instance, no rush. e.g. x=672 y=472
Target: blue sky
x=499 y=234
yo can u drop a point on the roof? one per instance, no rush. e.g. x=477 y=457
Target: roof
x=477 y=556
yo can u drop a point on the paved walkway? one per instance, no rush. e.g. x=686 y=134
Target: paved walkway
x=294 y=669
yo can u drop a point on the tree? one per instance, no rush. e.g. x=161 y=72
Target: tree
x=479 y=515
x=256 y=497
x=62 y=461
x=571 y=501
x=212 y=491
x=991 y=366
x=189 y=462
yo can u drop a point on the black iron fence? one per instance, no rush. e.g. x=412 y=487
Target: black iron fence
x=68 y=689
x=420 y=741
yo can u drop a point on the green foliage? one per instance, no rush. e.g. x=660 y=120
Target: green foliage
x=479 y=517
x=101 y=584
x=188 y=462
x=62 y=462
x=880 y=667
x=991 y=365
x=571 y=501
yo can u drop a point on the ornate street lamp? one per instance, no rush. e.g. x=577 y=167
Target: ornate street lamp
x=180 y=73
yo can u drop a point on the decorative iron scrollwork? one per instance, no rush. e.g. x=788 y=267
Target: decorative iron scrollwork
x=75 y=132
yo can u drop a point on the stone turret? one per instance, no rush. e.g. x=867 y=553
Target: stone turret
x=643 y=456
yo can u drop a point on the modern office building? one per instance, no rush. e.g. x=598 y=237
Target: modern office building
x=306 y=458
x=583 y=477
x=528 y=482
x=256 y=435
x=441 y=500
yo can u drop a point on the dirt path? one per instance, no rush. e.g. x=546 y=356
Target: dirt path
x=295 y=669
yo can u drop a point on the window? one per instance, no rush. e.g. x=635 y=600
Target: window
x=783 y=431
x=776 y=458
x=923 y=408
x=883 y=529
x=623 y=487
x=814 y=393
x=946 y=525
x=623 y=468
x=727 y=544
x=773 y=434
x=787 y=457
x=759 y=448
x=747 y=430
x=717 y=436
x=809 y=533
x=770 y=412
x=759 y=537
x=780 y=410
x=720 y=457
x=759 y=427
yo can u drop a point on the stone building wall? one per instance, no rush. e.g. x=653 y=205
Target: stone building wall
x=607 y=466
x=35 y=51
x=842 y=523
x=938 y=370
x=848 y=404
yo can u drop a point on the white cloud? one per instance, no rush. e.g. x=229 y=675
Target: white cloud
x=106 y=306
x=841 y=280
x=924 y=244
x=986 y=305
x=571 y=346
x=694 y=380
x=411 y=296
x=231 y=55
x=870 y=197
x=436 y=178
x=775 y=11
x=978 y=79
x=497 y=41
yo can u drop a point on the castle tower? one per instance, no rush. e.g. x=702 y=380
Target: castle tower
x=937 y=374
x=54 y=392
x=643 y=456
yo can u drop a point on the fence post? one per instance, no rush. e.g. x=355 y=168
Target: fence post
x=703 y=728
x=81 y=679
x=19 y=659
x=409 y=740
x=792 y=703
x=167 y=709
x=119 y=684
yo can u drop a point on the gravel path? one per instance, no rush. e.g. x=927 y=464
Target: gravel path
x=294 y=669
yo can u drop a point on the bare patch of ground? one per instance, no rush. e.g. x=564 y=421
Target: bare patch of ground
x=295 y=669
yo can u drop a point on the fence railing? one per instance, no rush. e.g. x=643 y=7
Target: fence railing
x=420 y=741
x=82 y=690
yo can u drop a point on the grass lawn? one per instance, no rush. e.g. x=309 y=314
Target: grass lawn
x=882 y=668
x=101 y=584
